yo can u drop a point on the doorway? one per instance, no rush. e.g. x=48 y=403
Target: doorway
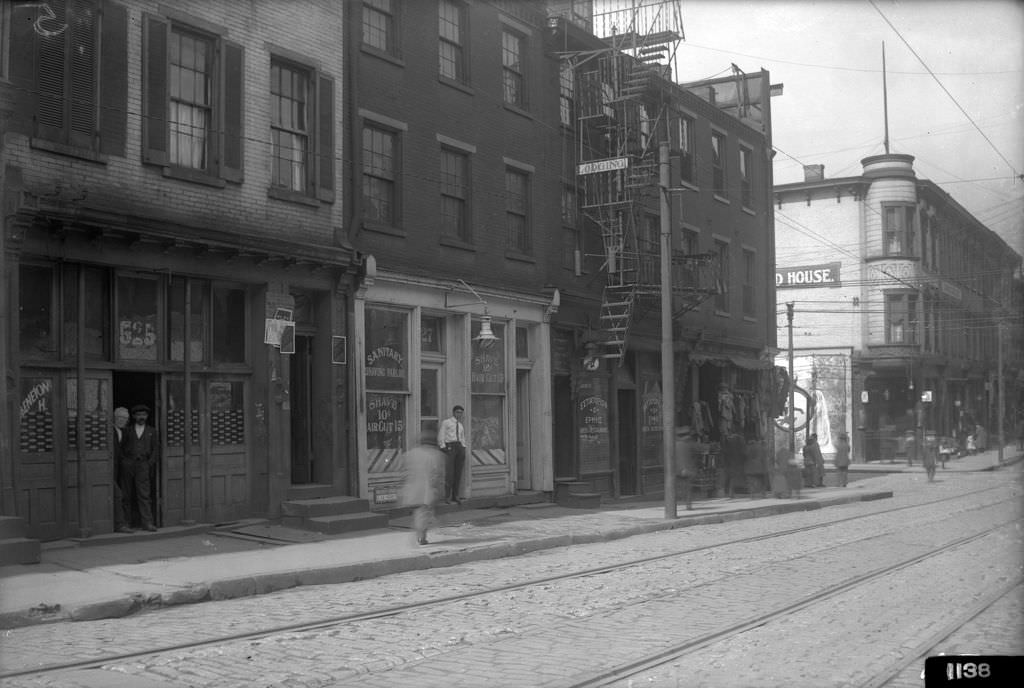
x=627 y=441
x=131 y=389
x=524 y=462
x=301 y=398
x=563 y=427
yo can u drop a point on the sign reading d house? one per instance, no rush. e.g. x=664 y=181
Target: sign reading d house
x=824 y=275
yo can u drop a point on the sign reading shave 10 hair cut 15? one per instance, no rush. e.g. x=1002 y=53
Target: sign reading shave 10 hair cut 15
x=824 y=275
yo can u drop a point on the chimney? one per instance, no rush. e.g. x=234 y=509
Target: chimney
x=814 y=173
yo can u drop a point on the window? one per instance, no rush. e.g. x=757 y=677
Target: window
x=570 y=238
x=512 y=68
x=70 y=61
x=199 y=296
x=898 y=230
x=301 y=131
x=36 y=310
x=684 y=144
x=380 y=25
x=901 y=318
x=455 y=194
x=192 y=102
x=749 y=280
x=724 y=277
x=387 y=387
x=487 y=395
x=649 y=248
x=687 y=268
x=451 y=29
x=517 y=204
x=138 y=326
x=718 y=164
x=746 y=156
x=380 y=175
x=567 y=94
x=228 y=314
x=96 y=300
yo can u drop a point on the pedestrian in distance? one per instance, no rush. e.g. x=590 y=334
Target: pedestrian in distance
x=734 y=454
x=686 y=464
x=928 y=458
x=842 y=460
x=814 y=462
x=451 y=439
x=122 y=511
x=140 y=451
x=424 y=483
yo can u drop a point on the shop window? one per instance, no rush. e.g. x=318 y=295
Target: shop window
x=37 y=334
x=35 y=426
x=199 y=293
x=228 y=325
x=97 y=312
x=175 y=431
x=227 y=413
x=94 y=412
x=137 y=323
x=488 y=389
x=387 y=384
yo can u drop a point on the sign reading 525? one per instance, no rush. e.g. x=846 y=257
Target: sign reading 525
x=137 y=333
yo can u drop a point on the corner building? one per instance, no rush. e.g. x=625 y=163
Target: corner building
x=172 y=237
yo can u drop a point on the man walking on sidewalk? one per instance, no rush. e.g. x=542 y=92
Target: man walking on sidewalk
x=451 y=438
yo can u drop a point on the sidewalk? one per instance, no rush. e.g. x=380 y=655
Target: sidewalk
x=186 y=565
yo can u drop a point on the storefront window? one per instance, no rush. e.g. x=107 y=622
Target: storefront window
x=487 y=386
x=199 y=292
x=35 y=310
x=97 y=312
x=176 y=413
x=95 y=413
x=227 y=413
x=35 y=427
x=387 y=384
x=137 y=323
x=228 y=325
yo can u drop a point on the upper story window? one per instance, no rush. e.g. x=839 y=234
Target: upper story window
x=898 y=229
x=749 y=280
x=517 y=210
x=718 y=180
x=455 y=194
x=513 y=77
x=451 y=21
x=69 y=60
x=380 y=25
x=746 y=193
x=724 y=276
x=381 y=174
x=301 y=131
x=901 y=318
x=684 y=144
x=566 y=94
x=192 y=101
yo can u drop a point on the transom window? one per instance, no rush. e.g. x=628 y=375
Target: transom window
x=289 y=126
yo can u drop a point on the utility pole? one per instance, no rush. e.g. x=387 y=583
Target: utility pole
x=668 y=386
x=792 y=385
x=1002 y=399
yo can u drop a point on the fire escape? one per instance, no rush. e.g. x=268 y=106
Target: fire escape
x=621 y=110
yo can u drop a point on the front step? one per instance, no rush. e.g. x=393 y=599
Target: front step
x=325 y=506
x=15 y=548
x=346 y=523
x=331 y=515
x=581 y=500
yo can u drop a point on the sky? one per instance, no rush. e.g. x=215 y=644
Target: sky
x=964 y=125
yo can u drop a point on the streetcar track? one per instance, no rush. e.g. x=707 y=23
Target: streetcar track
x=334 y=621
x=653 y=661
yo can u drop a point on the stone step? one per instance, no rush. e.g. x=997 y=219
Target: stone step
x=12 y=527
x=346 y=523
x=19 y=550
x=326 y=506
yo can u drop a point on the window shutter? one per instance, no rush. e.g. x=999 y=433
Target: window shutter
x=154 y=91
x=113 y=79
x=50 y=76
x=83 y=27
x=233 y=113
x=24 y=49
x=325 y=138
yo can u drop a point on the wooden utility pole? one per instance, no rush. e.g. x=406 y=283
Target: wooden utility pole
x=792 y=385
x=668 y=386
x=1002 y=399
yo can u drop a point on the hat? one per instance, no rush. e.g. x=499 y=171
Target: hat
x=140 y=408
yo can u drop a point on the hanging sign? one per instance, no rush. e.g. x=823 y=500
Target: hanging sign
x=824 y=275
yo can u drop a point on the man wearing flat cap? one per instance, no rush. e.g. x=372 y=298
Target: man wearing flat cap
x=140 y=452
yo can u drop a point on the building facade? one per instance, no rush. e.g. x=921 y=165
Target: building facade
x=903 y=303
x=172 y=236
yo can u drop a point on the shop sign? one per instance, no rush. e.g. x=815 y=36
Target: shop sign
x=823 y=275
x=608 y=165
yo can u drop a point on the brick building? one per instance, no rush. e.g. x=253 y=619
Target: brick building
x=898 y=295
x=169 y=177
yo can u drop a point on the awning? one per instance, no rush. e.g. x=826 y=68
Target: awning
x=745 y=362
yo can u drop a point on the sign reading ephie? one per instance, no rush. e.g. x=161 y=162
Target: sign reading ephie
x=824 y=275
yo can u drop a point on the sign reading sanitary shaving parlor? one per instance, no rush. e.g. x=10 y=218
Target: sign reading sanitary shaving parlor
x=824 y=275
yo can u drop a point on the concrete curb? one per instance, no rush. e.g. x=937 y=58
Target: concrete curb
x=260 y=584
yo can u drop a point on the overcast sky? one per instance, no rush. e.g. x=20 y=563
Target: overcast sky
x=828 y=55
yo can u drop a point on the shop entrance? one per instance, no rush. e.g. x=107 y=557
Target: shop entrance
x=131 y=389
x=302 y=412
x=563 y=427
x=627 y=441
x=524 y=464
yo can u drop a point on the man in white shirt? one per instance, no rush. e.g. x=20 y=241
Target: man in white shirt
x=451 y=438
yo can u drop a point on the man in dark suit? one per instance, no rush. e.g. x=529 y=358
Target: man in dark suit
x=140 y=451
x=122 y=511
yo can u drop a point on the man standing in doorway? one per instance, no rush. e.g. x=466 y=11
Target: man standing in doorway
x=122 y=512
x=140 y=454
x=451 y=438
